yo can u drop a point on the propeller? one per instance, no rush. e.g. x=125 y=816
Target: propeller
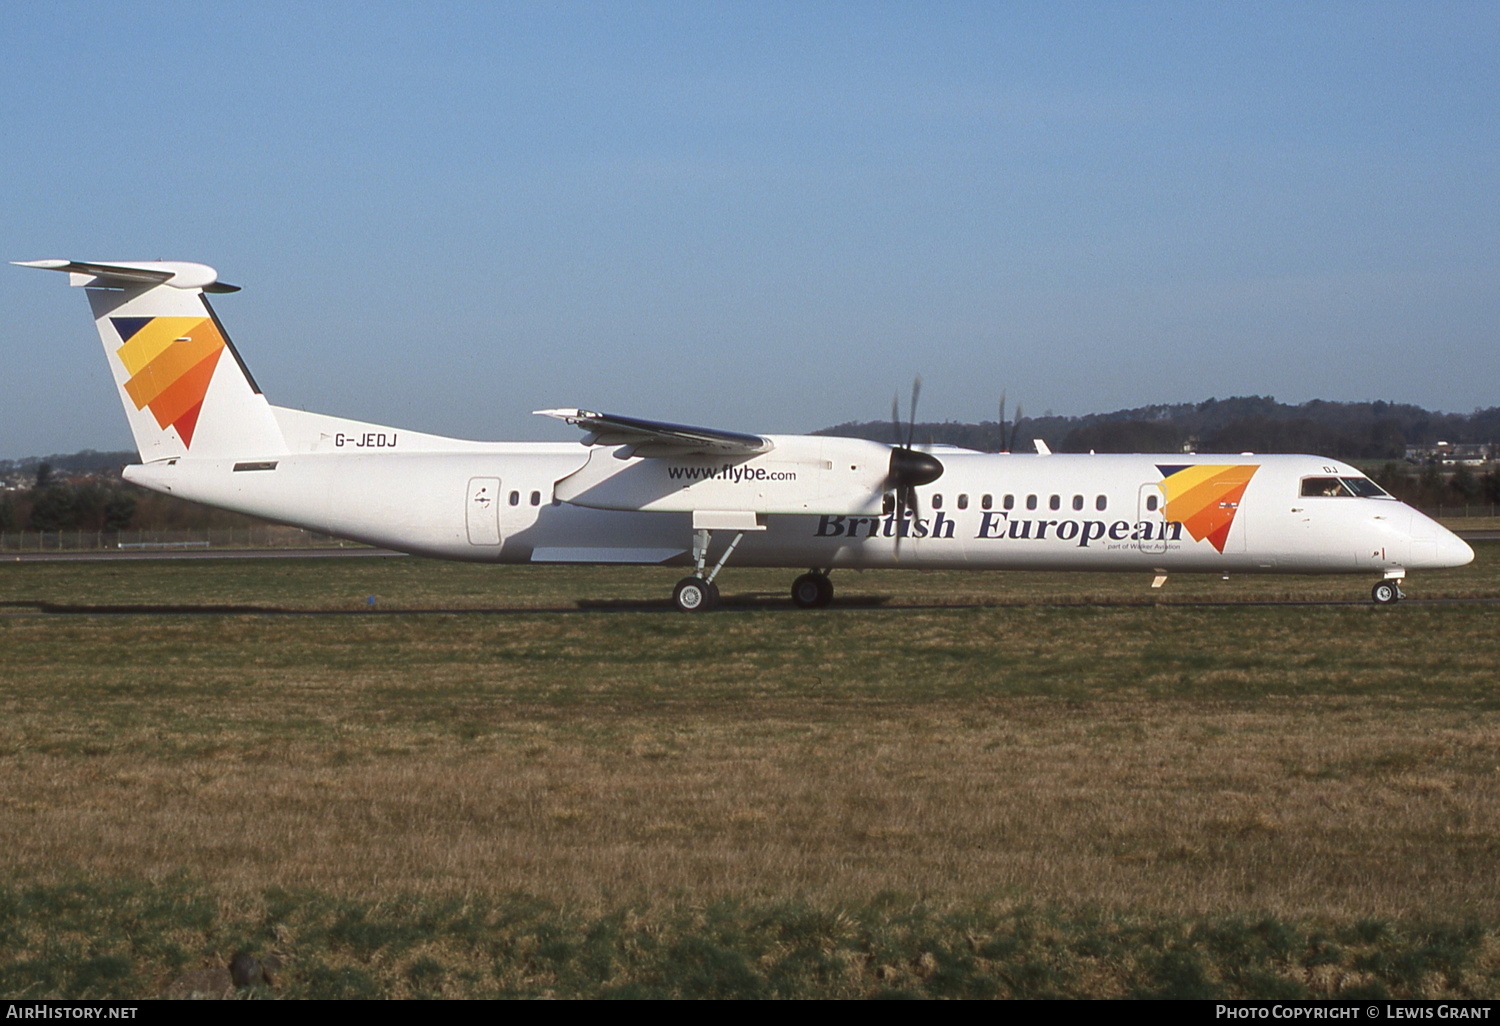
x=1008 y=442
x=909 y=469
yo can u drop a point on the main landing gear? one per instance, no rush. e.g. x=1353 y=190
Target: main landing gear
x=694 y=594
x=699 y=593
x=813 y=590
x=1387 y=593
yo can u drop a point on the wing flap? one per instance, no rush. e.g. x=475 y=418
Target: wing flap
x=653 y=438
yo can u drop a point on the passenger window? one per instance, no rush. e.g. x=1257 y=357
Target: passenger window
x=1010 y=502
x=1151 y=503
x=1031 y=502
x=1100 y=503
x=1055 y=502
x=515 y=498
x=937 y=502
x=1078 y=502
x=963 y=500
x=536 y=498
x=987 y=501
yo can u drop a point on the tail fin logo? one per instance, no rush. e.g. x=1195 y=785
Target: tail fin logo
x=1205 y=497
x=170 y=361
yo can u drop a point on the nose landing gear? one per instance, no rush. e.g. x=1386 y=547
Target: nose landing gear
x=1387 y=593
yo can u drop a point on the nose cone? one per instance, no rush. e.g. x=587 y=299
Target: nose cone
x=1454 y=551
x=1434 y=547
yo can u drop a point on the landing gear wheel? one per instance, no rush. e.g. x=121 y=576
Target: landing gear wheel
x=1385 y=593
x=812 y=591
x=694 y=595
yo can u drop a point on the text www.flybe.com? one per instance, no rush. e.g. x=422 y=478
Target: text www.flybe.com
x=729 y=472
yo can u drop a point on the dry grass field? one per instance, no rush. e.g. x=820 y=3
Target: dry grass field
x=530 y=781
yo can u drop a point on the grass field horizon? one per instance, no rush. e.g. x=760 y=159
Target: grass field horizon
x=957 y=784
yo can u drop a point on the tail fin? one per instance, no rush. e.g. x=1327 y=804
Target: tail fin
x=166 y=346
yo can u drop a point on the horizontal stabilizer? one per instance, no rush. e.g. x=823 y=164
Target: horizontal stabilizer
x=176 y=273
x=654 y=438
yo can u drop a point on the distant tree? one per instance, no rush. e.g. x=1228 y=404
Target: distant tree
x=7 y=513
x=89 y=500
x=119 y=509
x=1489 y=487
x=1378 y=430
x=1484 y=425
x=43 y=475
x=1430 y=486
x=1464 y=484
x=1395 y=479
x=1124 y=436
x=1261 y=433
x=1387 y=441
x=53 y=508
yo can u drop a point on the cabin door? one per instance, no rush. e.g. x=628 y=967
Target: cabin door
x=482 y=511
x=1150 y=505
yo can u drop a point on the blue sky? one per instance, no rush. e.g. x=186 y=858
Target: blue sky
x=762 y=217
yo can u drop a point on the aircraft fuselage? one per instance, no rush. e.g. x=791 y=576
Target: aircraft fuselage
x=988 y=511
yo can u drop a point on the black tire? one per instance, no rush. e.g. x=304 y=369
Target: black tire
x=812 y=591
x=693 y=595
x=825 y=587
x=1385 y=593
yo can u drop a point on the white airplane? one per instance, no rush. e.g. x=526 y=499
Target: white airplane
x=644 y=492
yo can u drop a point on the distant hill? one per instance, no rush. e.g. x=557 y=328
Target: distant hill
x=1371 y=430
x=86 y=462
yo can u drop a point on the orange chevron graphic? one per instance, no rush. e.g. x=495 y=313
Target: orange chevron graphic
x=1204 y=497
x=170 y=361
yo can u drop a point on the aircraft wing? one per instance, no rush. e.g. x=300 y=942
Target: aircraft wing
x=655 y=438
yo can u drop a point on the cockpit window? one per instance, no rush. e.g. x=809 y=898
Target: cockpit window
x=1360 y=487
x=1363 y=486
x=1321 y=486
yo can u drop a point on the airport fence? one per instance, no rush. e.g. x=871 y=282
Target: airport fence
x=264 y=536
x=1456 y=512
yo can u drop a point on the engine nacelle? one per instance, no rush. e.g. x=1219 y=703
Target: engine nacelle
x=800 y=474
